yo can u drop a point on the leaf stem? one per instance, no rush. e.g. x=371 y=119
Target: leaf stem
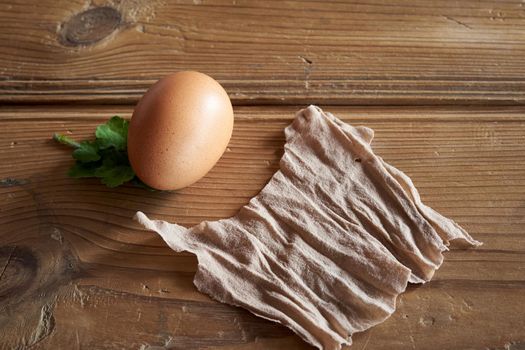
x=65 y=140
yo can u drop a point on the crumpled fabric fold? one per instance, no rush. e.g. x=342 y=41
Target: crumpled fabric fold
x=328 y=244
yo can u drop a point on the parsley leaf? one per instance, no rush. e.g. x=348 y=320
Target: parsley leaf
x=115 y=169
x=87 y=151
x=105 y=157
x=113 y=176
x=82 y=170
x=113 y=134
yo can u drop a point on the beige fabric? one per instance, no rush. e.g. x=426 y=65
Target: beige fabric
x=328 y=244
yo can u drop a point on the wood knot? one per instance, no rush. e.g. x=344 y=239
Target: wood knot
x=18 y=271
x=90 y=26
x=11 y=182
x=427 y=321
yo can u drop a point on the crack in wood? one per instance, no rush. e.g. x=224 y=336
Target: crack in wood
x=45 y=326
x=7 y=262
x=452 y=19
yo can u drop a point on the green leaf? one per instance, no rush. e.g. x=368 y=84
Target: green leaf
x=82 y=170
x=113 y=176
x=106 y=157
x=87 y=151
x=113 y=134
x=115 y=169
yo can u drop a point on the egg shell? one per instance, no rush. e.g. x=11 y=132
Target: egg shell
x=179 y=130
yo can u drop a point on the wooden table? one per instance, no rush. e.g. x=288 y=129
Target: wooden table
x=441 y=82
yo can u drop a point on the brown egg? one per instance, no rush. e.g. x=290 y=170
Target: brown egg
x=179 y=130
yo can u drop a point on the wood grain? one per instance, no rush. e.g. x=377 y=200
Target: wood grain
x=75 y=269
x=266 y=52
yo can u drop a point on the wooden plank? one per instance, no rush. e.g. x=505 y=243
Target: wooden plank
x=76 y=271
x=370 y=52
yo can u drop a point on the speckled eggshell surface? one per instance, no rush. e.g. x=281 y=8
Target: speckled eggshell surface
x=179 y=130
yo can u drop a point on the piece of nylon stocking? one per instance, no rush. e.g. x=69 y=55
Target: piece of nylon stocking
x=328 y=244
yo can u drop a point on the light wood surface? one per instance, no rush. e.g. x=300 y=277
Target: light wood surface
x=280 y=52
x=78 y=272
